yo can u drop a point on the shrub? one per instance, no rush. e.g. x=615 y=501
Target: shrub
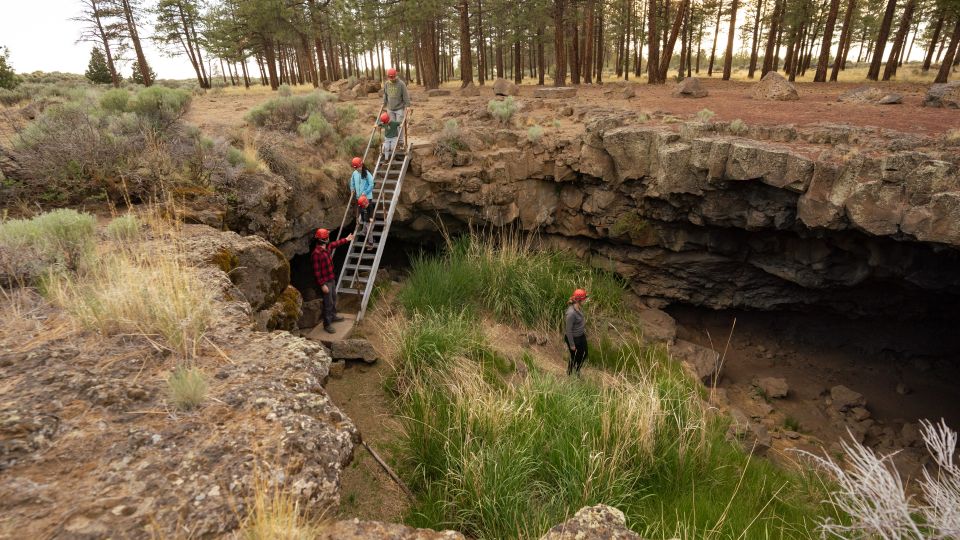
x=124 y=229
x=353 y=145
x=534 y=134
x=705 y=115
x=555 y=124
x=11 y=97
x=738 y=127
x=346 y=115
x=129 y=292
x=503 y=109
x=187 y=387
x=450 y=140
x=115 y=100
x=160 y=106
x=316 y=129
x=284 y=90
x=55 y=241
x=286 y=113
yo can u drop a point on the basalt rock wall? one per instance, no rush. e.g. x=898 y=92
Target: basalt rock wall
x=856 y=220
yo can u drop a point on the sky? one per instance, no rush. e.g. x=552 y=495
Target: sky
x=41 y=37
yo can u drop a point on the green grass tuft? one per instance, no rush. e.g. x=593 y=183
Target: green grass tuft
x=187 y=387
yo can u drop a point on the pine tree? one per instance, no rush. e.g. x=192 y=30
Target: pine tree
x=8 y=79
x=97 y=70
x=137 y=75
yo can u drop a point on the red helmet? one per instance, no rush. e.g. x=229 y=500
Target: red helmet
x=384 y=118
x=391 y=73
x=362 y=201
x=356 y=163
x=322 y=234
x=579 y=295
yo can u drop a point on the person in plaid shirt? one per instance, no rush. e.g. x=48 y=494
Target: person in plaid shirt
x=323 y=271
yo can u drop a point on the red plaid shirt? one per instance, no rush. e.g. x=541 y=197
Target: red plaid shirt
x=322 y=263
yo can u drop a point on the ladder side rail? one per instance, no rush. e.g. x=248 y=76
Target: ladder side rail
x=346 y=210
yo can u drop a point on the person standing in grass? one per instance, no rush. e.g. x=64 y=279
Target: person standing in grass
x=576 y=332
x=396 y=99
x=323 y=271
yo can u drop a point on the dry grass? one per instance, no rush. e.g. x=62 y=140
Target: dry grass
x=187 y=387
x=275 y=514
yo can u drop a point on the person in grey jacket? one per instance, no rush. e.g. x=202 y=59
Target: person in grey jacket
x=576 y=332
x=396 y=99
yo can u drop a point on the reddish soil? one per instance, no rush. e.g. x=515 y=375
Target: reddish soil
x=818 y=104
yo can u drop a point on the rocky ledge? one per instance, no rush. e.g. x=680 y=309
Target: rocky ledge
x=90 y=448
x=717 y=214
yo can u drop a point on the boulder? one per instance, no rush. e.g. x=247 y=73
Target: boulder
x=945 y=95
x=701 y=362
x=311 y=313
x=774 y=87
x=772 y=387
x=629 y=91
x=353 y=349
x=340 y=85
x=354 y=529
x=337 y=368
x=503 y=87
x=372 y=87
x=751 y=436
x=559 y=92
x=257 y=268
x=470 y=90
x=844 y=399
x=438 y=92
x=283 y=314
x=593 y=522
x=689 y=87
x=347 y=95
x=870 y=94
x=657 y=326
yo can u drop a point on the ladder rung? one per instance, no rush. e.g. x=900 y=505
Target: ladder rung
x=363 y=267
x=362 y=256
x=348 y=290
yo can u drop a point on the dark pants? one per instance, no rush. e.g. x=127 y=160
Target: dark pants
x=363 y=216
x=329 y=303
x=578 y=357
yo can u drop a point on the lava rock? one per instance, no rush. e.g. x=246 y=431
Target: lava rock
x=337 y=368
x=438 y=92
x=774 y=87
x=844 y=399
x=503 y=87
x=700 y=362
x=311 y=314
x=657 y=326
x=689 y=87
x=772 y=387
x=945 y=95
x=600 y=522
x=353 y=349
x=559 y=92
x=470 y=90
x=870 y=94
x=354 y=529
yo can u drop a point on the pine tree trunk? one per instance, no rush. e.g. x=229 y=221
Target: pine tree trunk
x=653 y=49
x=574 y=48
x=588 y=43
x=114 y=77
x=135 y=38
x=844 y=46
x=821 y=75
x=517 y=62
x=683 y=46
x=626 y=40
x=541 y=64
x=270 y=58
x=755 y=47
x=901 y=37
x=716 y=35
x=672 y=41
x=599 y=45
x=777 y=47
x=937 y=28
x=700 y=42
x=728 y=61
x=559 y=45
x=466 y=55
x=881 y=42
x=947 y=65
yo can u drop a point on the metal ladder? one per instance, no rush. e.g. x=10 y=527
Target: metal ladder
x=359 y=271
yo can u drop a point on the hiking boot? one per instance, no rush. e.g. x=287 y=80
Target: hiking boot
x=329 y=329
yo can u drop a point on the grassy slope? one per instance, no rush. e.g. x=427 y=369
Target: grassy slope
x=497 y=452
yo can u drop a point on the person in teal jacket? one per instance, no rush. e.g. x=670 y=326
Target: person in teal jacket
x=361 y=181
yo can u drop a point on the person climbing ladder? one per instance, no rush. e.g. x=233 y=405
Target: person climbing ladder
x=361 y=181
x=326 y=279
x=391 y=132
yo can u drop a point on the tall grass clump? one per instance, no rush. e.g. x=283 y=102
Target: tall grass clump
x=129 y=292
x=187 y=387
x=275 y=514
x=61 y=240
x=502 y=109
x=508 y=277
